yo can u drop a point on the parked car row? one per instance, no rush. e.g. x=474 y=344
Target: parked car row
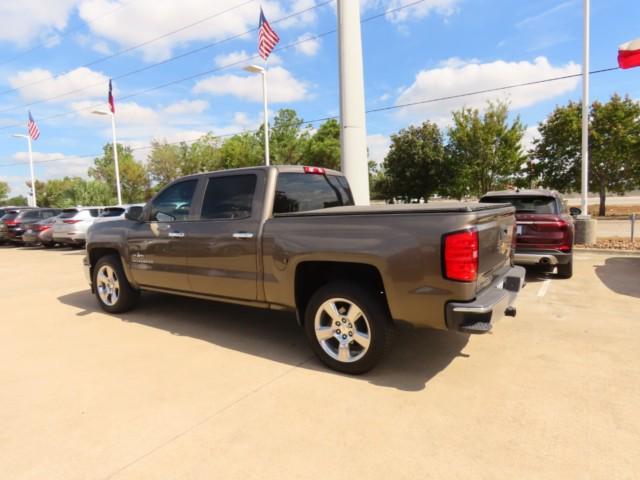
x=54 y=226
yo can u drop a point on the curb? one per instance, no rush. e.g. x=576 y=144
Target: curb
x=608 y=251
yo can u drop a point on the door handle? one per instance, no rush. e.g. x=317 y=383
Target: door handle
x=176 y=234
x=243 y=235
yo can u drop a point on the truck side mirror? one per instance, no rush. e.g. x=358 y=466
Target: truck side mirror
x=134 y=214
x=575 y=211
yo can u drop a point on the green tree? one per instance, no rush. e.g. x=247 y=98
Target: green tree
x=244 y=150
x=19 y=201
x=322 y=149
x=413 y=166
x=134 y=181
x=164 y=163
x=74 y=191
x=203 y=155
x=484 y=151
x=4 y=190
x=614 y=148
x=287 y=138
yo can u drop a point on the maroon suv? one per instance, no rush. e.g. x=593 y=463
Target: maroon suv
x=544 y=235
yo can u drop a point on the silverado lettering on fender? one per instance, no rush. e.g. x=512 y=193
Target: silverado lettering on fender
x=290 y=238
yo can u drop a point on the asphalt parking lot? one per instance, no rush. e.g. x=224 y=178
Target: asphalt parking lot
x=186 y=389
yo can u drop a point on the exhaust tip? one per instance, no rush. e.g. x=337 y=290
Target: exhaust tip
x=544 y=261
x=510 y=312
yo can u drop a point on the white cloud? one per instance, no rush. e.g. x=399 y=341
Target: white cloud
x=93 y=84
x=413 y=12
x=530 y=134
x=159 y=18
x=309 y=46
x=283 y=86
x=378 y=147
x=455 y=77
x=28 y=20
x=47 y=166
x=225 y=59
x=187 y=107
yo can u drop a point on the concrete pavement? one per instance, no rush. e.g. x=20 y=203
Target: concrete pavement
x=187 y=389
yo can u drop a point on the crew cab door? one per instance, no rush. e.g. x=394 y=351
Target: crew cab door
x=223 y=241
x=158 y=246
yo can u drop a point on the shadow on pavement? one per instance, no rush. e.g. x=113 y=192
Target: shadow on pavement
x=418 y=355
x=621 y=274
x=537 y=275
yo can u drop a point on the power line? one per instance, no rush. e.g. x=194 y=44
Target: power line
x=155 y=64
x=119 y=53
x=372 y=110
x=206 y=72
x=68 y=32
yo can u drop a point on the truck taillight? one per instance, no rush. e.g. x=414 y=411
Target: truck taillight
x=460 y=256
x=315 y=170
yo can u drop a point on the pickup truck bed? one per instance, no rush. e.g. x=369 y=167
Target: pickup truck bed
x=261 y=237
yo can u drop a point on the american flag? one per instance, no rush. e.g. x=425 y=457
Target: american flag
x=112 y=103
x=34 y=132
x=267 y=37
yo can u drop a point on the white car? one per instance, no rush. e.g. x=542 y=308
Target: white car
x=118 y=212
x=72 y=224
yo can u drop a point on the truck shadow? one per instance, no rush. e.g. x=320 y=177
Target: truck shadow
x=620 y=274
x=418 y=355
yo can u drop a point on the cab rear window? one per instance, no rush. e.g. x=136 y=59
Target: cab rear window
x=301 y=192
x=527 y=204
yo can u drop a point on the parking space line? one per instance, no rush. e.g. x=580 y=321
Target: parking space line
x=545 y=286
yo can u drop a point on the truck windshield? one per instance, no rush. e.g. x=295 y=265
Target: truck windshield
x=301 y=192
x=529 y=204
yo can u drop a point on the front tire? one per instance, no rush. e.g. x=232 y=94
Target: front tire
x=112 y=289
x=348 y=327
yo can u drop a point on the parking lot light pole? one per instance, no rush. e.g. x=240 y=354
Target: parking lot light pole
x=33 y=178
x=115 y=150
x=263 y=71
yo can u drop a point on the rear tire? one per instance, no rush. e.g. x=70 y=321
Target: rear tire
x=348 y=327
x=566 y=270
x=112 y=289
x=48 y=245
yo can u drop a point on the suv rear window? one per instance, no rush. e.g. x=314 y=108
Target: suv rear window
x=527 y=204
x=112 y=212
x=68 y=213
x=301 y=192
x=29 y=214
x=10 y=216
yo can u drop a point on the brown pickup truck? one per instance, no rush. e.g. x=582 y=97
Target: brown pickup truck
x=290 y=238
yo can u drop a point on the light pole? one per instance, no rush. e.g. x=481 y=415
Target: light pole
x=263 y=71
x=33 y=178
x=585 y=226
x=115 y=150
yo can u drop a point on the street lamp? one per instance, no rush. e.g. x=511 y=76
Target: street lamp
x=262 y=71
x=33 y=181
x=115 y=150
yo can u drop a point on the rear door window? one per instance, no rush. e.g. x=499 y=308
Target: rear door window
x=528 y=204
x=301 y=192
x=229 y=196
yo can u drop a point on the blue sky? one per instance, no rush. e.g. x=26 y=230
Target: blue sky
x=429 y=49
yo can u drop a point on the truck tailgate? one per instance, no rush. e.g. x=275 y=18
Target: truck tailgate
x=496 y=230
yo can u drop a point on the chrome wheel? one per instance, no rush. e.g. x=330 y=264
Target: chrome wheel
x=108 y=285
x=342 y=330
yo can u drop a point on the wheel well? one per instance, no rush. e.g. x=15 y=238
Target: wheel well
x=96 y=254
x=310 y=276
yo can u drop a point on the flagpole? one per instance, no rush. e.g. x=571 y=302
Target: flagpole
x=585 y=111
x=33 y=177
x=115 y=157
x=266 y=114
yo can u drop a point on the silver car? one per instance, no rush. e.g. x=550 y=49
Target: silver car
x=119 y=211
x=72 y=224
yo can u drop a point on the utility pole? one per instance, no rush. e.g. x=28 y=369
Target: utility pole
x=353 y=134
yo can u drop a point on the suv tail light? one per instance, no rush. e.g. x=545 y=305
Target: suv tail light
x=460 y=256
x=314 y=170
x=71 y=221
x=42 y=228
